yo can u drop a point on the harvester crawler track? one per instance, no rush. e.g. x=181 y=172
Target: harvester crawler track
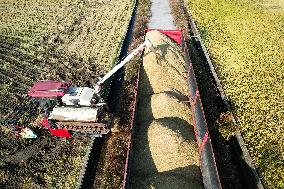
x=90 y=129
x=84 y=128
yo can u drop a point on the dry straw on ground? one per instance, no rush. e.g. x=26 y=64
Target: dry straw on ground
x=165 y=151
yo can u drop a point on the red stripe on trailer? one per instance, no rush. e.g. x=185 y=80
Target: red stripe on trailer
x=207 y=160
x=192 y=99
x=205 y=139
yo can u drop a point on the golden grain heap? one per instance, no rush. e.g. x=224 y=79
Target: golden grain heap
x=165 y=151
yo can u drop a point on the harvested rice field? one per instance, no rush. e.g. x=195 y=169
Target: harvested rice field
x=165 y=153
x=59 y=40
x=245 y=41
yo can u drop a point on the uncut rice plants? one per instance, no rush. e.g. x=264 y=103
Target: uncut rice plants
x=245 y=41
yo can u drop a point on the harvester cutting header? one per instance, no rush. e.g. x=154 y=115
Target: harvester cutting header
x=73 y=110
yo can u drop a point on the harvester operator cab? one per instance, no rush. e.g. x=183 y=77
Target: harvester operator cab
x=48 y=93
x=48 y=89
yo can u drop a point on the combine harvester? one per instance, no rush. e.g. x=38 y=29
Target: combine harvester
x=71 y=110
x=68 y=111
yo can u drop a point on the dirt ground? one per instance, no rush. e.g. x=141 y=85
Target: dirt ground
x=56 y=40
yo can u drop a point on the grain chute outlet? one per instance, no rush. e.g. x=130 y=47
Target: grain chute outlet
x=70 y=110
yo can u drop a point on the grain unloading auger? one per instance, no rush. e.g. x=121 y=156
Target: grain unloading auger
x=73 y=110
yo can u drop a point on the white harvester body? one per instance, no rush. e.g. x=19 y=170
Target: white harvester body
x=85 y=114
x=78 y=96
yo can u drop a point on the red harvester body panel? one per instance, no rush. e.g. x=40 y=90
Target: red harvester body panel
x=48 y=89
x=63 y=133
x=55 y=132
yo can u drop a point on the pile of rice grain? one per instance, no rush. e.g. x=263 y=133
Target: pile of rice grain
x=163 y=68
x=170 y=147
x=165 y=154
x=161 y=105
